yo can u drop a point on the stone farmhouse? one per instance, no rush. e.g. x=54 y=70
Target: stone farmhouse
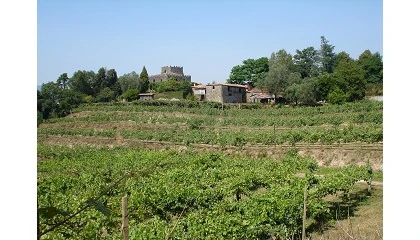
x=199 y=91
x=171 y=71
x=257 y=95
x=225 y=93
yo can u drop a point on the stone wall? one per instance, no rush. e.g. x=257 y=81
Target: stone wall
x=173 y=69
x=225 y=94
x=234 y=94
x=157 y=78
x=167 y=72
x=214 y=93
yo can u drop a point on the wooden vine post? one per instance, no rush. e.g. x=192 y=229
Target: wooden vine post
x=274 y=135
x=370 y=171
x=37 y=221
x=305 y=195
x=124 y=227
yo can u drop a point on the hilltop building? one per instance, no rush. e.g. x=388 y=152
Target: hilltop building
x=171 y=71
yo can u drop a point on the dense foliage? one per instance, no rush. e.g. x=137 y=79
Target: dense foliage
x=251 y=71
x=312 y=75
x=181 y=195
x=54 y=100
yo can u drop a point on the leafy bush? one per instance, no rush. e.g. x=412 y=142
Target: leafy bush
x=88 y=99
x=105 y=95
x=337 y=96
x=131 y=94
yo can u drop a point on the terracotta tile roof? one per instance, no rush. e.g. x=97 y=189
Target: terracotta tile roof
x=261 y=95
x=199 y=86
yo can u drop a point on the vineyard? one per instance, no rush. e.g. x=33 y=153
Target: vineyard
x=209 y=195
x=187 y=193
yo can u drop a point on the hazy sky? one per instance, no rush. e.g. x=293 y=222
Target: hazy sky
x=207 y=38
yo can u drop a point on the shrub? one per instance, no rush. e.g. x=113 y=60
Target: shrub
x=130 y=94
x=337 y=96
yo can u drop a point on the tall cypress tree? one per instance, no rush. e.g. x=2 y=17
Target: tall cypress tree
x=144 y=80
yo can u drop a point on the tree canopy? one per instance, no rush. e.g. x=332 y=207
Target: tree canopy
x=251 y=70
x=129 y=81
x=372 y=65
x=327 y=56
x=313 y=75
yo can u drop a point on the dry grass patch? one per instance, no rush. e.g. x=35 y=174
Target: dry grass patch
x=362 y=221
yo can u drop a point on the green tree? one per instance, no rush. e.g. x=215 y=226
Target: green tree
x=327 y=56
x=276 y=80
x=153 y=86
x=186 y=89
x=99 y=82
x=48 y=99
x=106 y=95
x=342 y=56
x=306 y=93
x=63 y=81
x=128 y=81
x=280 y=68
x=116 y=88
x=111 y=78
x=131 y=94
x=238 y=75
x=303 y=93
x=82 y=81
x=171 y=84
x=68 y=100
x=282 y=58
x=251 y=70
x=291 y=93
x=144 y=80
x=373 y=66
x=306 y=62
x=352 y=77
x=337 y=96
x=325 y=84
x=53 y=101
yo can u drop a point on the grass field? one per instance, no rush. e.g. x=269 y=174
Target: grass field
x=188 y=162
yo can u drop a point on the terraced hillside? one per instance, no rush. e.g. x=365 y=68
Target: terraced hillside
x=335 y=135
x=194 y=170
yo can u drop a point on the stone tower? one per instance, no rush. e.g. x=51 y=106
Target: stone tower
x=176 y=72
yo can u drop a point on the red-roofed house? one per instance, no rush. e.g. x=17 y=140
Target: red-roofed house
x=257 y=95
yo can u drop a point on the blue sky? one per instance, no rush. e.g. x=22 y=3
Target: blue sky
x=207 y=38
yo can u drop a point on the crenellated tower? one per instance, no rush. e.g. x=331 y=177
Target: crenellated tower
x=176 y=72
